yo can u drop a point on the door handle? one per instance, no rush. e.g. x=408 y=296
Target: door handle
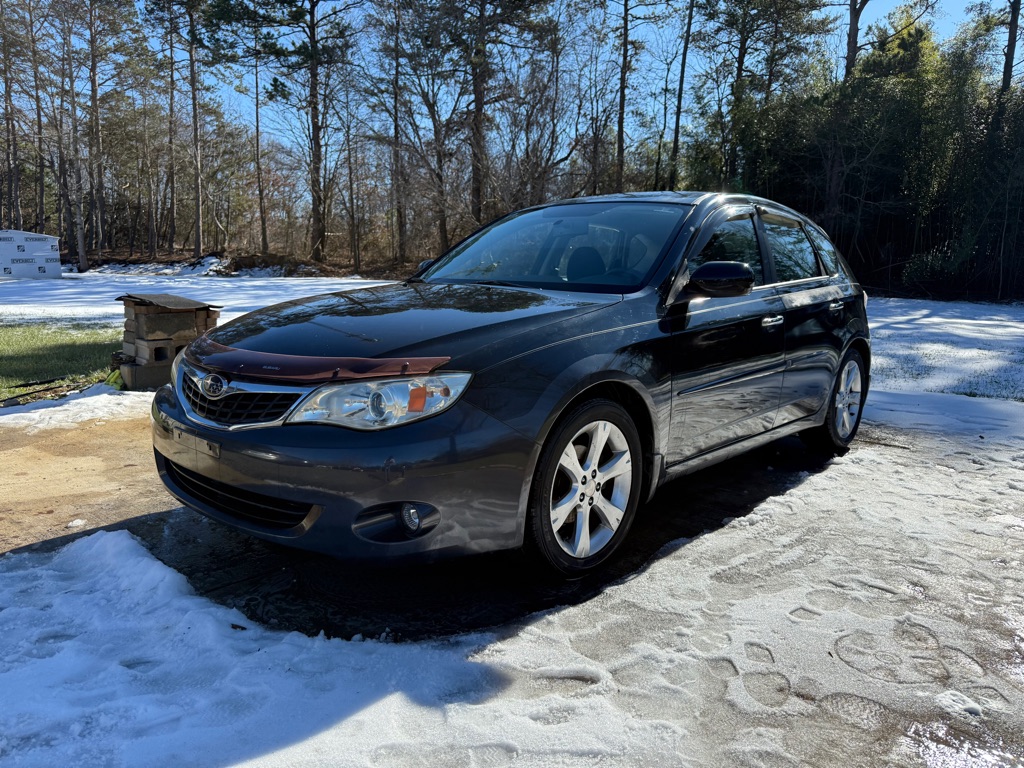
x=772 y=321
x=836 y=306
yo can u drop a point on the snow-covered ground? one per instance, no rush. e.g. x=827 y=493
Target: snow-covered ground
x=873 y=614
x=92 y=297
x=954 y=347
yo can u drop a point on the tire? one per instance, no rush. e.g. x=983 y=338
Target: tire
x=845 y=406
x=582 y=504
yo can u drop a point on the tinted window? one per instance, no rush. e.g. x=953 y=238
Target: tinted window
x=826 y=250
x=791 y=250
x=611 y=247
x=735 y=240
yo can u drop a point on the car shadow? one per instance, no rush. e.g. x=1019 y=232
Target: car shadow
x=299 y=591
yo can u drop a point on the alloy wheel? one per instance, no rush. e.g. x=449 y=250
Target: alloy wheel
x=848 y=398
x=590 y=491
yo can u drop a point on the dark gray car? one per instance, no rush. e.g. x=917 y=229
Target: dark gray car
x=533 y=385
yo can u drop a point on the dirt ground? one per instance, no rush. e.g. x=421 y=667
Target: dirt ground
x=96 y=473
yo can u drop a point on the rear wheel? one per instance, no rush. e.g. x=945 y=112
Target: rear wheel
x=844 y=408
x=586 y=488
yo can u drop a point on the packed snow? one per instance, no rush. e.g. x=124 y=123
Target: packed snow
x=870 y=615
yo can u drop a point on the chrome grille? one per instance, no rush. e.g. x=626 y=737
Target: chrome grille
x=239 y=407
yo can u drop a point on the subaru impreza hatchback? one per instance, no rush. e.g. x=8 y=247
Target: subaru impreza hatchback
x=531 y=386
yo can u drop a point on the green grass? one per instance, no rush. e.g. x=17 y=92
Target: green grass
x=76 y=355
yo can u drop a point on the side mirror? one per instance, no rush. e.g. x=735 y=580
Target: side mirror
x=721 y=278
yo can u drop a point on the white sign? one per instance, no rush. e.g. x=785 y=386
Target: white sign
x=27 y=254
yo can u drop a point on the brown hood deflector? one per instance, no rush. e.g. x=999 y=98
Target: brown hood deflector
x=305 y=370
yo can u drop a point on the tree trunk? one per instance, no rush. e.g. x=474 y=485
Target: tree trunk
x=853 y=36
x=74 y=162
x=732 y=160
x=37 y=89
x=397 y=169
x=443 y=239
x=97 y=204
x=478 y=76
x=172 y=204
x=620 y=126
x=63 y=185
x=318 y=230
x=151 y=232
x=835 y=180
x=1011 y=46
x=133 y=217
x=12 y=165
x=197 y=176
x=353 y=217
x=673 y=162
x=440 y=210
x=664 y=127
x=264 y=241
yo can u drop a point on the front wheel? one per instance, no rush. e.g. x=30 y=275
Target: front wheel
x=844 y=408
x=586 y=488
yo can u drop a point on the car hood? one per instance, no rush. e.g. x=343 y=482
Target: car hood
x=398 y=324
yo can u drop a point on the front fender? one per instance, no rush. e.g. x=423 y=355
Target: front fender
x=532 y=392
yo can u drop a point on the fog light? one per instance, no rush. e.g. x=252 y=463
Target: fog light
x=410 y=518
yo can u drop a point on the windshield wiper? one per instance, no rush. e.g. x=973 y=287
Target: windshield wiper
x=500 y=283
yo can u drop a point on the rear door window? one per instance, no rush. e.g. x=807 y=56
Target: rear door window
x=826 y=250
x=792 y=252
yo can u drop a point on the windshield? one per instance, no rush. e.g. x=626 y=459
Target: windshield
x=609 y=247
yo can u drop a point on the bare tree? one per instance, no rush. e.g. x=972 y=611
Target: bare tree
x=12 y=165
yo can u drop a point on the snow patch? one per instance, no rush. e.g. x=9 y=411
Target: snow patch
x=979 y=418
x=107 y=656
x=98 y=402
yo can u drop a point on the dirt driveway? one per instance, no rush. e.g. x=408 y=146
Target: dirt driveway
x=99 y=473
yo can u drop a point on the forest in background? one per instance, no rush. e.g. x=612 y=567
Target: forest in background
x=377 y=133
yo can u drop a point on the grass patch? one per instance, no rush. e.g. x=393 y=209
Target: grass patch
x=74 y=355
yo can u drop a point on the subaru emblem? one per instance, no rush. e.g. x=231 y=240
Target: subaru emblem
x=214 y=386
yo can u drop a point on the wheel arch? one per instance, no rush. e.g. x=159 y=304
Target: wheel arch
x=620 y=389
x=631 y=400
x=864 y=348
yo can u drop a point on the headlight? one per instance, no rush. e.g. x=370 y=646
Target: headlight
x=381 y=403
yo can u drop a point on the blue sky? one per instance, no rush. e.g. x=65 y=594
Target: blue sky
x=949 y=15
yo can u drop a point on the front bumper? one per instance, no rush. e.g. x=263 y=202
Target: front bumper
x=338 y=491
